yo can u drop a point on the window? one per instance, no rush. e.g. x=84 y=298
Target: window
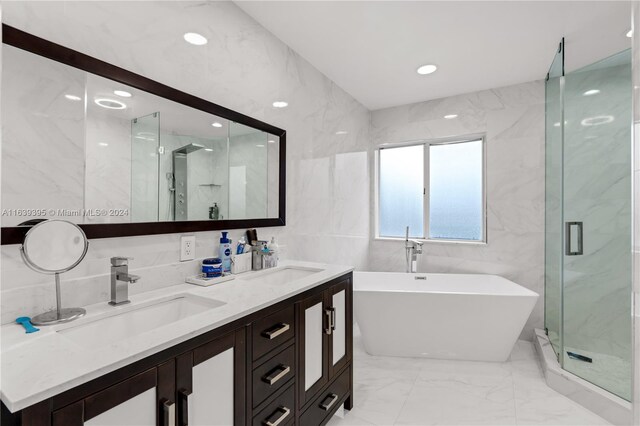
x=435 y=188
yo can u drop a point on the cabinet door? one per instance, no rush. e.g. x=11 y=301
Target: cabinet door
x=210 y=383
x=313 y=345
x=145 y=399
x=341 y=321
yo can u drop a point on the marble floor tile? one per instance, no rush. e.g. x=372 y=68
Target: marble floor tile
x=416 y=391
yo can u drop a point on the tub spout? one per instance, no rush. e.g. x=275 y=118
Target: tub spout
x=412 y=249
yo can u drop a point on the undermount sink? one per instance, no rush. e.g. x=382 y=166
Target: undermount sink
x=282 y=276
x=136 y=320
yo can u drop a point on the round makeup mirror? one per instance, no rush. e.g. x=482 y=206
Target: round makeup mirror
x=52 y=247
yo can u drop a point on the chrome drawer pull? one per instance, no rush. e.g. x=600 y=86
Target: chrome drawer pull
x=327 y=406
x=271 y=378
x=328 y=312
x=168 y=413
x=285 y=413
x=276 y=331
x=183 y=406
x=333 y=319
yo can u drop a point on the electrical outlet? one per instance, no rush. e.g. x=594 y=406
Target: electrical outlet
x=187 y=247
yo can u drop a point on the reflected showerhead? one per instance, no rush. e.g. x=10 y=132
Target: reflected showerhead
x=188 y=149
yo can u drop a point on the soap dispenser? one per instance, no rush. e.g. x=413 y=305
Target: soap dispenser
x=225 y=252
x=273 y=252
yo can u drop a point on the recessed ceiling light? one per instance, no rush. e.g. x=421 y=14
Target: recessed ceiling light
x=342 y=132
x=260 y=145
x=591 y=92
x=216 y=124
x=450 y=116
x=110 y=103
x=597 y=120
x=73 y=97
x=427 y=69
x=556 y=124
x=208 y=149
x=280 y=104
x=271 y=141
x=103 y=144
x=122 y=93
x=195 y=38
x=630 y=33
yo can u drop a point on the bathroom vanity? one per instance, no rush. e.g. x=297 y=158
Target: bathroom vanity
x=268 y=348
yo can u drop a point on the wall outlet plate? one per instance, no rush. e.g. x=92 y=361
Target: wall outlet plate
x=187 y=247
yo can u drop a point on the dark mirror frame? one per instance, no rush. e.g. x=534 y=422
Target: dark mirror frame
x=39 y=46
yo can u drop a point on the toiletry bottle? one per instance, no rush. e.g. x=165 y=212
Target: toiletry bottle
x=225 y=252
x=240 y=247
x=274 y=249
x=215 y=211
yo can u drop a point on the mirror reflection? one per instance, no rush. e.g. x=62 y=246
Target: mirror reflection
x=91 y=150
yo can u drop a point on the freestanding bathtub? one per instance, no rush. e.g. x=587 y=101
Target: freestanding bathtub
x=447 y=316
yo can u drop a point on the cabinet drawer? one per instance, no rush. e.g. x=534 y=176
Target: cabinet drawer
x=328 y=401
x=273 y=374
x=280 y=412
x=273 y=330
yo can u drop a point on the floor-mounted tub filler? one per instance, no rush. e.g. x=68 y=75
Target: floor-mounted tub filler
x=448 y=316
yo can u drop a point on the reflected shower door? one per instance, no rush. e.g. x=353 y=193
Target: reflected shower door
x=145 y=142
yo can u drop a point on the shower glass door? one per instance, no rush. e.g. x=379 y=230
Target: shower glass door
x=588 y=261
x=596 y=204
x=553 y=200
x=145 y=143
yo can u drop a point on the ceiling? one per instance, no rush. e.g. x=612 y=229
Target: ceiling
x=372 y=48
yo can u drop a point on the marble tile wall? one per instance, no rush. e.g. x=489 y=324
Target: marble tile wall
x=636 y=209
x=330 y=142
x=37 y=178
x=249 y=152
x=512 y=118
x=107 y=176
x=205 y=170
x=245 y=68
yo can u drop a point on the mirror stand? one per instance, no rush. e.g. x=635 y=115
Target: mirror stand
x=51 y=247
x=59 y=315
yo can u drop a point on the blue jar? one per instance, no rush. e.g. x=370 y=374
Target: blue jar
x=212 y=267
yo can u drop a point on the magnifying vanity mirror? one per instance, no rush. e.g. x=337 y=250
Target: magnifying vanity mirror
x=53 y=247
x=121 y=155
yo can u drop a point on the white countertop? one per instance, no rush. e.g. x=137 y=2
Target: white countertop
x=40 y=365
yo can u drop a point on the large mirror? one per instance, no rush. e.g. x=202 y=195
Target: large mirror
x=89 y=148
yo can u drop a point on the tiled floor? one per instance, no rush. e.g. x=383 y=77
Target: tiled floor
x=414 y=391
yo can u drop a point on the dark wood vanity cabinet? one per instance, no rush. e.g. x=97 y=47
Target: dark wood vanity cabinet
x=325 y=351
x=201 y=386
x=210 y=382
x=140 y=399
x=289 y=363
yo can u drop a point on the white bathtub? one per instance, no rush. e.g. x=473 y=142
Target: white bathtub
x=447 y=316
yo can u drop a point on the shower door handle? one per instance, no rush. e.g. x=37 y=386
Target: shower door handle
x=570 y=238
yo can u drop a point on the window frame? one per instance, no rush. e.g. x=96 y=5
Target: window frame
x=426 y=184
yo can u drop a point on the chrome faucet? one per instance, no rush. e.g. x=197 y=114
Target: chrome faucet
x=412 y=249
x=120 y=279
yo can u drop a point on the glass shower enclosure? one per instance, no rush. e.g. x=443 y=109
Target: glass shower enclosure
x=588 y=222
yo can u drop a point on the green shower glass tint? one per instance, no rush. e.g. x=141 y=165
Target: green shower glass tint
x=588 y=261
